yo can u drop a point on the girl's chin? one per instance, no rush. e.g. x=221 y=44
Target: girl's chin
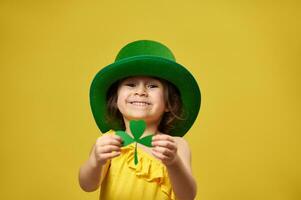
x=137 y=117
x=146 y=118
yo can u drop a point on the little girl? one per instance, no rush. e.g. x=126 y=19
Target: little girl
x=144 y=83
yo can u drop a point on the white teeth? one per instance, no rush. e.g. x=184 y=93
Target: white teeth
x=139 y=103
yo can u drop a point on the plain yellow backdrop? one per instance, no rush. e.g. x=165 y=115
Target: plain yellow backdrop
x=245 y=56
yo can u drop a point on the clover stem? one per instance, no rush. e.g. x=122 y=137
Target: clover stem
x=135 y=154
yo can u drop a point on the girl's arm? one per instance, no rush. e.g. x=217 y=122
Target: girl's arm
x=180 y=173
x=90 y=173
x=95 y=168
x=175 y=154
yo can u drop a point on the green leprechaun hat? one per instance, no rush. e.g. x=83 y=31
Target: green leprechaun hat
x=146 y=58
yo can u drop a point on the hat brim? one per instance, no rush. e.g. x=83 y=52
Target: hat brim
x=146 y=66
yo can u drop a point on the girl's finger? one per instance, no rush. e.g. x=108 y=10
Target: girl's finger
x=159 y=155
x=110 y=141
x=108 y=149
x=117 y=138
x=109 y=137
x=164 y=143
x=164 y=151
x=111 y=155
x=163 y=137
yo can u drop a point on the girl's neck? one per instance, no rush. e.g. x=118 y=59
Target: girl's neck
x=151 y=128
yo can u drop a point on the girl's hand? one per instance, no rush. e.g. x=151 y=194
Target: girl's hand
x=165 y=148
x=107 y=147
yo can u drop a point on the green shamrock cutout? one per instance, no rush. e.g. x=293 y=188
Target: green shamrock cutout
x=137 y=128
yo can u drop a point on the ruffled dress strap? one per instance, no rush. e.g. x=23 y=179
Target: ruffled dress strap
x=148 y=168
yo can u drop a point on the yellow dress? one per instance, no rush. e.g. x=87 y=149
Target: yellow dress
x=147 y=180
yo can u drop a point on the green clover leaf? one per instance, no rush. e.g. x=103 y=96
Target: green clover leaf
x=125 y=137
x=137 y=128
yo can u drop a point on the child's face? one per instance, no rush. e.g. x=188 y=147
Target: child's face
x=141 y=97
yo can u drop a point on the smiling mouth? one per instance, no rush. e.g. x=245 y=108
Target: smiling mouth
x=139 y=103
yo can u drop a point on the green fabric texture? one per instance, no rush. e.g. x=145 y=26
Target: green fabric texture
x=146 y=58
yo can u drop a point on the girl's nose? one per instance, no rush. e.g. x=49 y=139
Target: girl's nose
x=141 y=90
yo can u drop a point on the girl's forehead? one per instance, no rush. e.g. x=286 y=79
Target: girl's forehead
x=141 y=78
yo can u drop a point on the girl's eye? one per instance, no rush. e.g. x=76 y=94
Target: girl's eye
x=130 y=84
x=152 y=86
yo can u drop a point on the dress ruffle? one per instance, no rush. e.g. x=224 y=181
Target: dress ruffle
x=149 y=169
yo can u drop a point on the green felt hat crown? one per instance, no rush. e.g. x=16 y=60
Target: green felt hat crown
x=146 y=58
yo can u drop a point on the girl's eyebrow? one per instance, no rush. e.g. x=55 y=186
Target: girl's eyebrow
x=129 y=80
x=153 y=82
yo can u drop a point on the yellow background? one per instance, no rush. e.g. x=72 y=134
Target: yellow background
x=245 y=56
